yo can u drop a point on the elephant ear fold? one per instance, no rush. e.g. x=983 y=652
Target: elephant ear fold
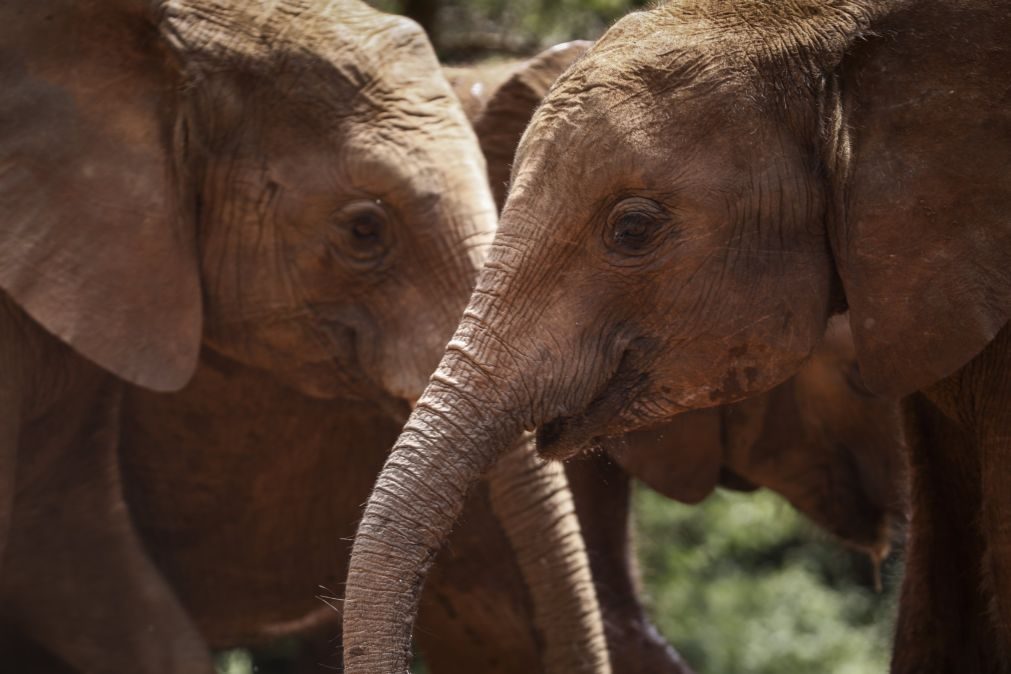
x=509 y=109
x=96 y=243
x=923 y=234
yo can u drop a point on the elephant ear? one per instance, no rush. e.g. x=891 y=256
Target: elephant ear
x=512 y=105
x=680 y=459
x=923 y=241
x=827 y=445
x=474 y=84
x=94 y=242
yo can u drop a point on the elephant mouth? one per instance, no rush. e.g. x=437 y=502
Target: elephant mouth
x=605 y=416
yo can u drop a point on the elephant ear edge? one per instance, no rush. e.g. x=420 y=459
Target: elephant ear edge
x=923 y=235
x=510 y=107
x=95 y=243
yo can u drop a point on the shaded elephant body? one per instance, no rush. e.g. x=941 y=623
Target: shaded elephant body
x=692 y=201
x=69 y=527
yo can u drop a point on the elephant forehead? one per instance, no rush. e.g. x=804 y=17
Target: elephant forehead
x=359 y=55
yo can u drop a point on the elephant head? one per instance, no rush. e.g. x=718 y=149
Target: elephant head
x=295 y=187
x=692 y=200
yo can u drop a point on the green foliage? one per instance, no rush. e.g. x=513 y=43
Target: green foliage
x=742 y=584
x=236 y=661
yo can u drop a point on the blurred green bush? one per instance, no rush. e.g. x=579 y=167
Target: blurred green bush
x=742 y=584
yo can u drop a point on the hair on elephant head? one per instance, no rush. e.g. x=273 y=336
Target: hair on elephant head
x=284 y=184
x=691 y=201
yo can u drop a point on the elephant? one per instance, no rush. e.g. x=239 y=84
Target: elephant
x=227 y=178
x=692 y=201
x=230 y=480
x=829 y=446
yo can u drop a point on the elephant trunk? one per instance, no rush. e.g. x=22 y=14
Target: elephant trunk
x=533 y=500
x=468 y=416
x=415 y=502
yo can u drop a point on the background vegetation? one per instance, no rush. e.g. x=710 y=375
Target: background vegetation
x=741 y=584
x=464 y=29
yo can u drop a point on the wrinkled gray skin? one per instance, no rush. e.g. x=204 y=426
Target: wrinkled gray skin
x=690 y=203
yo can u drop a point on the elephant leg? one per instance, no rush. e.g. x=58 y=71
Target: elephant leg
x=8 y=470
x=942 y=625
x=955 y=611
x=602 y=492
x=990 y=378
x=77 y=580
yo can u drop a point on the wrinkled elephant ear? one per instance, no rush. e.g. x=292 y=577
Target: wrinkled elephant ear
x=509 y=109
x=96 y=243
x=923 y=241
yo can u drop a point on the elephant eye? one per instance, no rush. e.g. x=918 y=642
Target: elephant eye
x=634 y=225
x=362 y=230
x=367 y=227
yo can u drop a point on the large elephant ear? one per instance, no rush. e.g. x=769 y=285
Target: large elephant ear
x=510 y=108
x=923 y=241
x=95 y=243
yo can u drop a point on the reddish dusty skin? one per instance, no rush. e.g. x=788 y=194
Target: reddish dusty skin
x=692 y=200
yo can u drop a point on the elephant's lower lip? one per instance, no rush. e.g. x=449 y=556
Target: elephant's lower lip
x=565 y=437
x=561 y=439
